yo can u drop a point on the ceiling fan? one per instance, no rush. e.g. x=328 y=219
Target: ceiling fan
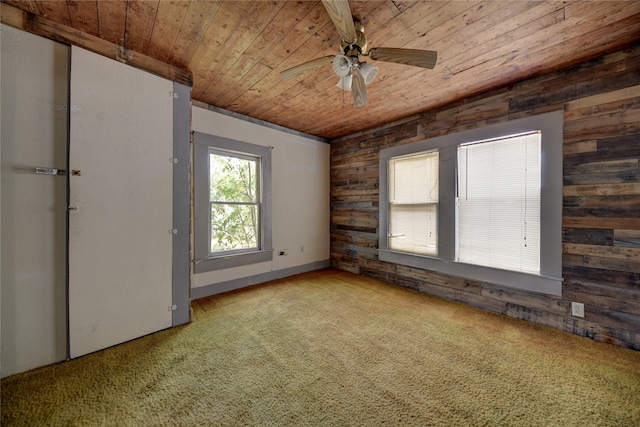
x=354 y=74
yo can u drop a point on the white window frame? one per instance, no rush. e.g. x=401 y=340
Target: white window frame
x=549 y=281
x=204 y=260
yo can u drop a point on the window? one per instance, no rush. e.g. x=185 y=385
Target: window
x=413 y=203
x=498 y=203
x=234 y=200
x=232 y=181
x=488 y=207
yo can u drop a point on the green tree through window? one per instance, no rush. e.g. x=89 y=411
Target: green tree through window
x=234 y=201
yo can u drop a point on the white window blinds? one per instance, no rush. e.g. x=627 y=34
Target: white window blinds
x=413 y=203
x=499 y=203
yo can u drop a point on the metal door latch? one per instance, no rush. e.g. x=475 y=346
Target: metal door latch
x=51 y=171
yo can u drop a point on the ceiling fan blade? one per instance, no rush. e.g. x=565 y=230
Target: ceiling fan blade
x=416 y=57
x=307 y=66
x=340 y=14
x=358 y=89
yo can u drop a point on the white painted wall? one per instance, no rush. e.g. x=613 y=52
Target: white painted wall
x=300 y=203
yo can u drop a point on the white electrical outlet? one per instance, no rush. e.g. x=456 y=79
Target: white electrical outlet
x=577 y=309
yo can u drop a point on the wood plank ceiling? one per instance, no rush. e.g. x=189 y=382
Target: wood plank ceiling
x=236 y=49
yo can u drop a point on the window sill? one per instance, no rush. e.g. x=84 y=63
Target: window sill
x=544 y=284
x=230 y=261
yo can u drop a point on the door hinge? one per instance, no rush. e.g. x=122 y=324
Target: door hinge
x=173 y=307
x=174 y=94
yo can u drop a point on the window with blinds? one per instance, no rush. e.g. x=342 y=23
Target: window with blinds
x=498 y=203
x=413 y=203
x=484 y=203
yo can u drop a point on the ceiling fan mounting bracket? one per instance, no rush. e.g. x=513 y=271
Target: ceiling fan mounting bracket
x=351 y=50
x=359 y=45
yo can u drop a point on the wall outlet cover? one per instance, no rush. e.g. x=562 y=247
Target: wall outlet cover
x=577 y=309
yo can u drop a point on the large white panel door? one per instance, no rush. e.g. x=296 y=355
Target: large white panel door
x=33 y=244
x=120 y=220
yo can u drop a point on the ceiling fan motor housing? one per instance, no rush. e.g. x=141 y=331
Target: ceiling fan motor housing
x=358 y=46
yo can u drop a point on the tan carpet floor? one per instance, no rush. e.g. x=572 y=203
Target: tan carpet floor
x=330 y=348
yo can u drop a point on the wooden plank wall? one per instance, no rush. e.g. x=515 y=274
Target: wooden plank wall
x=601 y=208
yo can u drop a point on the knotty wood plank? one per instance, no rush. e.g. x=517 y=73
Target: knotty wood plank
x=355 y=221
x=308 y=33
x=617 y=143
x=576 y=17
x=602 y=201
x=599 y=99
x=575 y=326
x=84 y=16
x=590 y=292
x=602 y=212
x=141 y=19
x=580 y=147
x=593 y=236
x=27 y=6
x=620 y=302
x=56 y=11
x=505 y=26
x=282 y=21
x=547 y=303
x=615 y=319
x=601 y=262
x=271 y=36
x=627 y=238
x=610 y=252
x=440 y=22
x=360 y=239
x=476 y=300
x=603 y=178
x=612 y=279
x=589 y=124
x=612 y=166
x=631 y=188
x=593 y=222
x=354 y=250
x=169 y=18
x=195 y=24
x=249 y=28
x=112 y=16
x=220 y=29
x=611 y=108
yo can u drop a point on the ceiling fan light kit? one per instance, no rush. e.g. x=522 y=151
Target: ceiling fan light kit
x=354 y=74
x=343 y=67
x=369 y=72
x=345 y=83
